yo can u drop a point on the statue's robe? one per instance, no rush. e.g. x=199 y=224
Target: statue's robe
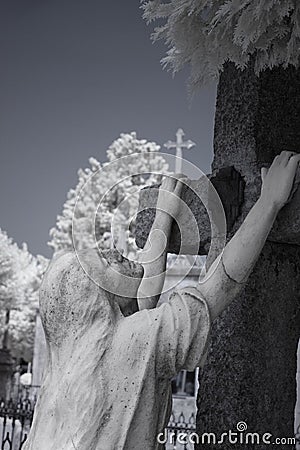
x=113 y=390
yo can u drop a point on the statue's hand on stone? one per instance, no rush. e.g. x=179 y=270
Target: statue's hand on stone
x=230 y=271
x=278 y=180
x=169 y=195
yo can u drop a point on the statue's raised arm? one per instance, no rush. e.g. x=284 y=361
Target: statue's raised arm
x=153 y=257
x=231 y=269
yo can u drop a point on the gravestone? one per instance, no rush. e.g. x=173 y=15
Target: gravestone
x=251 y=368
x=7 y=364
x=250 y=371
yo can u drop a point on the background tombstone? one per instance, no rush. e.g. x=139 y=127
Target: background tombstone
x=39 y=353
x=7 y=364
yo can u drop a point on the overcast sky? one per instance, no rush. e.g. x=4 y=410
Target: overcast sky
x=75 y=74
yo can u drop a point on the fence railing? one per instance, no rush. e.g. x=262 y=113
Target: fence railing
x=179 y=431
x=15 y=422
x=16 y=419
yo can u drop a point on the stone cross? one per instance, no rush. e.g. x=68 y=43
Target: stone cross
x=179 y=145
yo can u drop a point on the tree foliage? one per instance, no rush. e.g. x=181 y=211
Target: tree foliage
x=98 y=205
x=20 y=277
x=206 y=34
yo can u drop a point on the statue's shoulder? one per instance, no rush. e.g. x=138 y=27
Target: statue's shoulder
x=57 y=266
x=67 y=266
x=61 y=259
x=66 y=257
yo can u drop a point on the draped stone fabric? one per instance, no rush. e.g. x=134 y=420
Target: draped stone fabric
x=107 y=386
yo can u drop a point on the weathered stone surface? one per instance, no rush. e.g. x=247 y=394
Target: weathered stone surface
x=255 y=120
x=230 y=186
x=109 y=366
x=203 y=207
x=251 y=368
x=250 y=371
x=145 y=218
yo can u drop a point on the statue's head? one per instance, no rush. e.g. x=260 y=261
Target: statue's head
x=82 y=290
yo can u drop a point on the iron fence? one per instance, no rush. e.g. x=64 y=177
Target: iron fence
x=16 y=419
x=15 y=422
x=180 y=427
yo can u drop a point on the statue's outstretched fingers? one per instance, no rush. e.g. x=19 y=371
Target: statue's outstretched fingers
x=294 y=161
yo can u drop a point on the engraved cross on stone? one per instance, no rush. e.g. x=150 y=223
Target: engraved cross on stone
x=179 y=145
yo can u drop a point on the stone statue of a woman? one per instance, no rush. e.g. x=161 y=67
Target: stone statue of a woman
x=111 y=357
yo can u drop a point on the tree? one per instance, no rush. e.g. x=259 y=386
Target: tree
x=96 y=202
x=8 y=258
x=20 y=277
x=206 y=34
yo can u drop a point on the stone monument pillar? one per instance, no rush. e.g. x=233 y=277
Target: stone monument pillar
x=250 y=373
x=39 y=352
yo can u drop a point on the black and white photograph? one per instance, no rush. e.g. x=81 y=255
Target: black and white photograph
x=150 y=225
